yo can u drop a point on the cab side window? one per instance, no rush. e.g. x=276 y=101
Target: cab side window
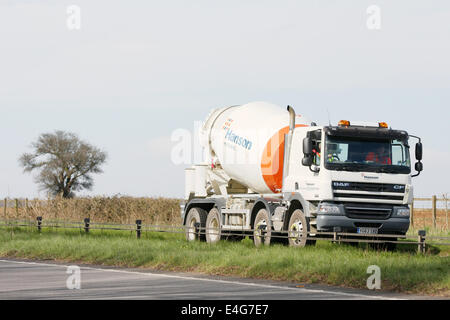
x=316 y=137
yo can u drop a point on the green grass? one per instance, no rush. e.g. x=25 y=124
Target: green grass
x=326 y=263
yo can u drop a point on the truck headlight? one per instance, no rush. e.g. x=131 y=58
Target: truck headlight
x=403 y=212
x=329 y=209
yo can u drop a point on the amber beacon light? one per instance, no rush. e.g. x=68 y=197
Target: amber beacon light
x=344 y=123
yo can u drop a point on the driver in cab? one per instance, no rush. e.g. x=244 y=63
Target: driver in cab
x=381 y=156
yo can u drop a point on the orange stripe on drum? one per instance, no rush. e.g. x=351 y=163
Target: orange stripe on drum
x=273 y=158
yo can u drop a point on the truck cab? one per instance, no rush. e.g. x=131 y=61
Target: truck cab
x=357 y=177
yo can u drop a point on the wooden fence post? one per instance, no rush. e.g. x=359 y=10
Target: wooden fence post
x=138 y=228
x=421 y=241
x=434 y=209
x=87 y=222
x=336 y=236
x=5 y=204
x=17 y=208
x=39 y=223
x=446 y=211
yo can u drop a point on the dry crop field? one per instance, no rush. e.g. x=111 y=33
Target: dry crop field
x=124 y=210
x=423 y=218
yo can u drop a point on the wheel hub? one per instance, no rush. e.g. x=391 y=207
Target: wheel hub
x=260 y=229
x=296 y=231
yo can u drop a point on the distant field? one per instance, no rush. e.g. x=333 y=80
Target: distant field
x=125 y=210
x=423 y=218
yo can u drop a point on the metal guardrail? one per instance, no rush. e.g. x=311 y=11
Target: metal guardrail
x=422 y=240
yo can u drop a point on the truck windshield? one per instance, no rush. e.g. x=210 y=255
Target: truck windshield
x=353 y=154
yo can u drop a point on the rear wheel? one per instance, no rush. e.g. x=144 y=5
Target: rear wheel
x=195 y=224
x=262 y=229
x=213 y=226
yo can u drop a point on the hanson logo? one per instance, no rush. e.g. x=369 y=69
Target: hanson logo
x=370 y=177
x=240 y=141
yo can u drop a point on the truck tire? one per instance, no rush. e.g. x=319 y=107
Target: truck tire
x=195 y=216
x=213 y=226
x=298 y=229
x=262 y=229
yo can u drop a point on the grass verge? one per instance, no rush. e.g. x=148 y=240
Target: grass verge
x=326 y=263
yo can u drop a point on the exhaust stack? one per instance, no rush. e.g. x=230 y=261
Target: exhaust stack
x=292 y=118
x=288 y=142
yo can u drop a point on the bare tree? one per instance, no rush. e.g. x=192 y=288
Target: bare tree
x=65 y=163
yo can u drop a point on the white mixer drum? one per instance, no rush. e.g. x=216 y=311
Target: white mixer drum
x=248 y=142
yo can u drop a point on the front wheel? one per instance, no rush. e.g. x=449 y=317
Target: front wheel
x=298 y=228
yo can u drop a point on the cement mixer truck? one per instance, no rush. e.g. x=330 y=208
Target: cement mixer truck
x=275 y=176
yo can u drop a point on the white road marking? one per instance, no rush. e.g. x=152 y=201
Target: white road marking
x=211 y=280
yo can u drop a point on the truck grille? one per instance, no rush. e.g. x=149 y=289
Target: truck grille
x=368 y=196
x=364 y=190
x=370 y=187
x=368 y=211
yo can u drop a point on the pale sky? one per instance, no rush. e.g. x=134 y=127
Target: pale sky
x=138 y=70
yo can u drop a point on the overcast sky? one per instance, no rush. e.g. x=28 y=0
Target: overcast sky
x=138 y=70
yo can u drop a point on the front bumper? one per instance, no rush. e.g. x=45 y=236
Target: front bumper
x=393 y=225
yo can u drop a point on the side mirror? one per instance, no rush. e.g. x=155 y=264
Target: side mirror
x=419 y=154
x=307 y=161
x=419 y=151
x=307 y=147
x=419 y=166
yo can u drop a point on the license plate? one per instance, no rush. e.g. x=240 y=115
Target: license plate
x=367 y=230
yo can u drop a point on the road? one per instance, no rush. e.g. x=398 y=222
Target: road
x=47 y=280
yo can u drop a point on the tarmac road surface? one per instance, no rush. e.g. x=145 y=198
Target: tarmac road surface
x=25 y=279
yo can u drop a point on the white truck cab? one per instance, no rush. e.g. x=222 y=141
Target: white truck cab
x=357 y=176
